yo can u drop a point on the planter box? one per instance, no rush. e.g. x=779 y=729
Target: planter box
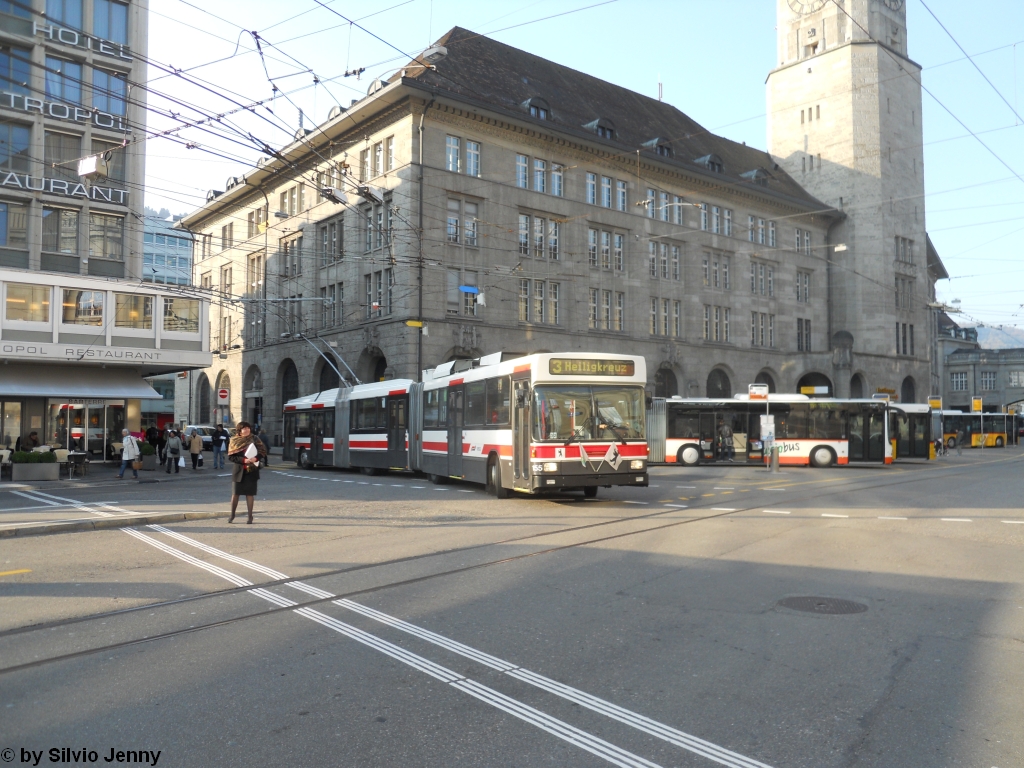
x=149 y=462
x=32 y=472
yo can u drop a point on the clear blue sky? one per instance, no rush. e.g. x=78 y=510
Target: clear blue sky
x=711 y=55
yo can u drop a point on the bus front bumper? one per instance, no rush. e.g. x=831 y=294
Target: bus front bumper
x=554 y=482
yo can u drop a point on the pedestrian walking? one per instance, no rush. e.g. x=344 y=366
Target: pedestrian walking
x=959 y=441
x=220 y=446
x=245 y=452
x=173 y=450
x=725 y=440
x=257 y=430
x=195 y=447
x=130 y=452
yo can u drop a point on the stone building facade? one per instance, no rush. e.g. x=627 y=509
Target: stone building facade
x=508 y=203
x=844 y=117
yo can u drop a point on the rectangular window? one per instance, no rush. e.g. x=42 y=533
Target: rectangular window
x=771 y=330
x=760 y=279
x=15 y=69
x=760 y=232
x=803 y=283
x=958 y=381
x=469 y=227
x=538 y=301
x=227 y=236
x=663 y=209
x=677 y=210
x=60 y=230
x=592 y=188
x=677 y=318
x=539 y=231
x=389 y=154
x=593 y=308
x=108 y=91
x=106 y=236
x=469 y=305
x=652 y=259
x=725 y=274
x=750 y=229
x=522 y=171
x=718 y=323
x=800 y=334
x=592 y=238
x=452 y=230
x=28 y=303
x=799 y=235
x=14 y=147
x=665 y=303
x=676 y=274
x=606 y=192
x=110 y=20
x=61 y=152
x=707 y=323
x=715 y=280
x=726 y=336
x=554 y=236
x=716 y=219
x=606 y=250
x=524 y=234
x=707 y=274
x=618 y=255
x=621 y=197
x=770 y=279
x=620 y=311
x=452 y=154
x=704 y=217
x=911 y=340
x=753 y=329
x=132 y=310
x=524 y=301
x=771 y=234
x=63 y=80
x=553 y=296
x=654 y=317
x=606 y=310
x=1016 y=377
x=807 y=243
x=378 y=158
x=540 y=176
x=181 y=315
x=472 y=158
x=652 y=202
x=728 y=223
x=557 y=188
x=82 y=307
x=760 y=329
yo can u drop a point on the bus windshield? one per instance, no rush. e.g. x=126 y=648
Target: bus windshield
x=583 y=412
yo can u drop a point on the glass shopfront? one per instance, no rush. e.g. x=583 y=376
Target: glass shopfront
x=86 y=425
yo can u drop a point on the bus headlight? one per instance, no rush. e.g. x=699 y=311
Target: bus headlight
x=538 y=468
x=636 y=464
x=550 y=466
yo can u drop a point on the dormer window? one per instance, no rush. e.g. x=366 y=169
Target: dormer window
x=759 y=176
x=659 y=146
x=538 y=108
x=602 y=128
x=712 y=162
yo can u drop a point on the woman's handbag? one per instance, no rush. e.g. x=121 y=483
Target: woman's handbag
x=137 y=464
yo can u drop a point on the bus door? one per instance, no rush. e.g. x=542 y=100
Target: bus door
x=316 y=437
x=708 y=436
x=521 y=433
x=919 y=427
x=288 y=453
x=867 y=434
x=398 y=422
x=455 y=434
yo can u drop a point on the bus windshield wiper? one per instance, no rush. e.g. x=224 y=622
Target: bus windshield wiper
x=614 y=428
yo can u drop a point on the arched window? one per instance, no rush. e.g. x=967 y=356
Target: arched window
x=202 y=395
x=328 y=378
x=665 y=384
x=289 y=382
x=908 y=391
x=765 y=378
x=856 y=386
x=815 y=384
x=719 y=385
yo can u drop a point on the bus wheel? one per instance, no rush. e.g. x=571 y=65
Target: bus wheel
x=303 y=460
x=494 y=480
x=438 y=479
x=951 y=442
x=999 y=442
x=822 y=456
x=688 y=456
x=368 y=470
x=590 y=492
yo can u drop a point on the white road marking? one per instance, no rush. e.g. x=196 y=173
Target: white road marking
x=47 y=498
x=635 y=502
x=582 y=739
x=686 y=486
x=348 y=481
x=722 y=509
x=397 y=485
x=579 y=738
x=956 y=520
x=717 y=488
x=881 y=517
x=464 y=490
x=826 y=514
x=775 y=511
x=773 y=489
x=440 y=489
x=420 y=487
x=678 y=506
x=227 y=475
x=1014 y=522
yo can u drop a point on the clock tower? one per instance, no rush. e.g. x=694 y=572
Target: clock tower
x=844 y=119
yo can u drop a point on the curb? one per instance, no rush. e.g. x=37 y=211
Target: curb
x=45 y=529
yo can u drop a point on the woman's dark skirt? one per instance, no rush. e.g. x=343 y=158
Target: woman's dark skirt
x=247 y=485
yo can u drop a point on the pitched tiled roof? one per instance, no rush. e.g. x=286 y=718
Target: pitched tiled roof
x=483 y=70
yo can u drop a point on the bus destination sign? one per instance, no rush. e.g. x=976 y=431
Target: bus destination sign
x=571 y=366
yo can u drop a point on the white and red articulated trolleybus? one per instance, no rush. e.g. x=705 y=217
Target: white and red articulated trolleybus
x=543 y=422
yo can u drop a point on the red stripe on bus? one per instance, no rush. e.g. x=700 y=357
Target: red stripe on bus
x=455 y=382
x=521 y=368
x=368 y=444
x=396 y=392
x=433 y=446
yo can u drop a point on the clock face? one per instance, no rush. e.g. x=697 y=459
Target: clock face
x=810 y=6
x=893 y=5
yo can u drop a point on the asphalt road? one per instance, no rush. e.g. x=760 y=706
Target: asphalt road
x=385 y=621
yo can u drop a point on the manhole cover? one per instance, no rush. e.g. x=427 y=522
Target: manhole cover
x=829 y=606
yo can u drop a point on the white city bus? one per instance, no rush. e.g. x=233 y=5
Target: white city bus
x=819 y=432
x=536 y=423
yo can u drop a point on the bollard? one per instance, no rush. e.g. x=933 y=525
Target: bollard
x=775 y=458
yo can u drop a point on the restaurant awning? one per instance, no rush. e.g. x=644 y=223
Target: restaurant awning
x=68 y=381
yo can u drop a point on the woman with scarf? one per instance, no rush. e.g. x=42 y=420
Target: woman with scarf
x=245 y=470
